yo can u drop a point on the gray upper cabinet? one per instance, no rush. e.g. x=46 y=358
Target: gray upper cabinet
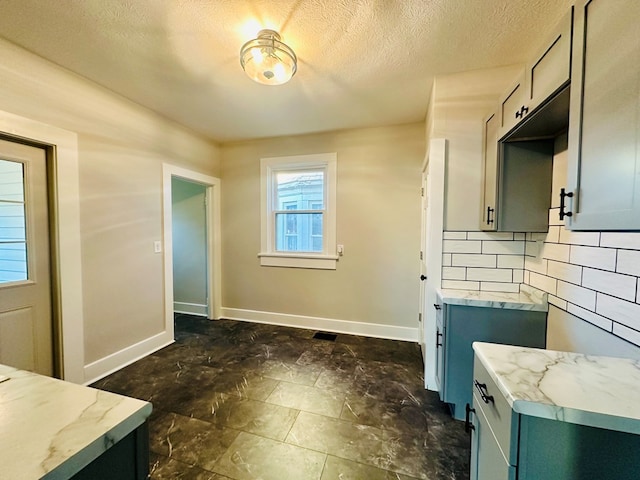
x=547 y=73
x=604 y=130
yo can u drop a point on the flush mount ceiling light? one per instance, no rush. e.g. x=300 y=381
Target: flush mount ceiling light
x=267 y=60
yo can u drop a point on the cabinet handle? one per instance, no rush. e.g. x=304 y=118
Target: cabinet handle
x=436 y=306
x=438 y=336
x=489 y=212
x=522 y=112
x=468 y=426
x=563 y=194
x=482 y=390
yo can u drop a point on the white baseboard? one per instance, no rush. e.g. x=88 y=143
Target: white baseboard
x=190 y=308
x=111 y=363
x=390 y=332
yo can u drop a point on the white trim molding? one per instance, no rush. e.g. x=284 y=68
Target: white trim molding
x=214 y=249
x=118 y=360
x=390 y=332
x=66 y=196
x=269 y=256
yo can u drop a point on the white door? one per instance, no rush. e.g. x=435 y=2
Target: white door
x=26 y=333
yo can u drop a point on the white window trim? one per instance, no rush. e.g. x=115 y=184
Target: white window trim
x=268 y=255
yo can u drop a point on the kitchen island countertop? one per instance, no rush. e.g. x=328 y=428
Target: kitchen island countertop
x=52 y=429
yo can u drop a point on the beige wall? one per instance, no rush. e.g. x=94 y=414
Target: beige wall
x=378 y=222
x=458 y=105
x=121 y=148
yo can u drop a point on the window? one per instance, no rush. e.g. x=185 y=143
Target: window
x=13 y=238
x=298 y=211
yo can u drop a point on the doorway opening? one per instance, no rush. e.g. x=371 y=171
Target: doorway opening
x=191 y=244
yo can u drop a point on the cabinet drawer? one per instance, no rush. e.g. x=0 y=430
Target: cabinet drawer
x=500 y=417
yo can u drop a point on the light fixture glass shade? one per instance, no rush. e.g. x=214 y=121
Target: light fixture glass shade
x=267 y=60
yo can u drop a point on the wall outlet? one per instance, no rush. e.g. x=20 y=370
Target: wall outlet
x=157 y=246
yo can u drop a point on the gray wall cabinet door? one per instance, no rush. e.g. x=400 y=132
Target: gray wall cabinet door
x=604 y=131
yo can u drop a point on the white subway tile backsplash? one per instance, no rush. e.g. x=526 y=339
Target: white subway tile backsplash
x=580 y=296
x=591 y=317
x=454 y=235
x=460 y=285
x=532 y=248
x=630 y=240
x=518 y=276
x=565 y=271
x=619 y=311
x=446 y=259
x=490 y=274
x=602 y=258
x=627 y=333
x=519 y=236
x=629 y=262
x=622 y=286
x=503 y=247
x=579 y=238
x=553 y=235
x=558 y=302
x=527 y=276
x=461 y=246
x=454 y=273
x=536 y=264
x=490 y=236
x=542 y=282
x=554 y=217
x=464 y=260
x=555 y=251
x=510 y=261
x=499 y=287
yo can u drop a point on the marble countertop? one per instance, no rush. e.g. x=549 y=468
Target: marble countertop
x=52 y=429
x=596 y=391
x=528 y=298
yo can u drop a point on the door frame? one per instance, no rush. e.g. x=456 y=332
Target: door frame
x=214 y=251
x=435 y=162
x=66 y=246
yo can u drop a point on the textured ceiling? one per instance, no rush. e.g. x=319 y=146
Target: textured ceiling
x=361 y=62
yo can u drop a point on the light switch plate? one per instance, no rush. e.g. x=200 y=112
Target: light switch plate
x=157 y=246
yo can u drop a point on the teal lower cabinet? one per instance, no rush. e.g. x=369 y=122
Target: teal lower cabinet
x=463 y=325
x=506 y=445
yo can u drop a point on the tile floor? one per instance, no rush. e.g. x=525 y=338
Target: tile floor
x=236 y=400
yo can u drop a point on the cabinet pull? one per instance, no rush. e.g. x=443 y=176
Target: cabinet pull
x=563 y=194
x=438 y=336
x=489 y=212
x=522 y=112
x=436 y=306
x=468 y=426
x=482 y=390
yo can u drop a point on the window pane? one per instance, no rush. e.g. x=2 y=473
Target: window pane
x=302 y=190
x=11 y=178
x=13 y=245
x=299 y=232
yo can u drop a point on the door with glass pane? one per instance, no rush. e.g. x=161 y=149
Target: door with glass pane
x=26 y=338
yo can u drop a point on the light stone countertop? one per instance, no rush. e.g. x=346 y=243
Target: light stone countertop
x=596 y=391
x=52 y=429
x=529 y=298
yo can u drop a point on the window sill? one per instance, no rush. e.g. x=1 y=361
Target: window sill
x=291 y=260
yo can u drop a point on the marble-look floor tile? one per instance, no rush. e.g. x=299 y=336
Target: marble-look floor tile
x=165 y=468
x=359 y=443
x=260 y=418
x=291 y=372
x=340 y=469
x=189 y=440
x=251 y=457
x=223 y=381
x=308 y=399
